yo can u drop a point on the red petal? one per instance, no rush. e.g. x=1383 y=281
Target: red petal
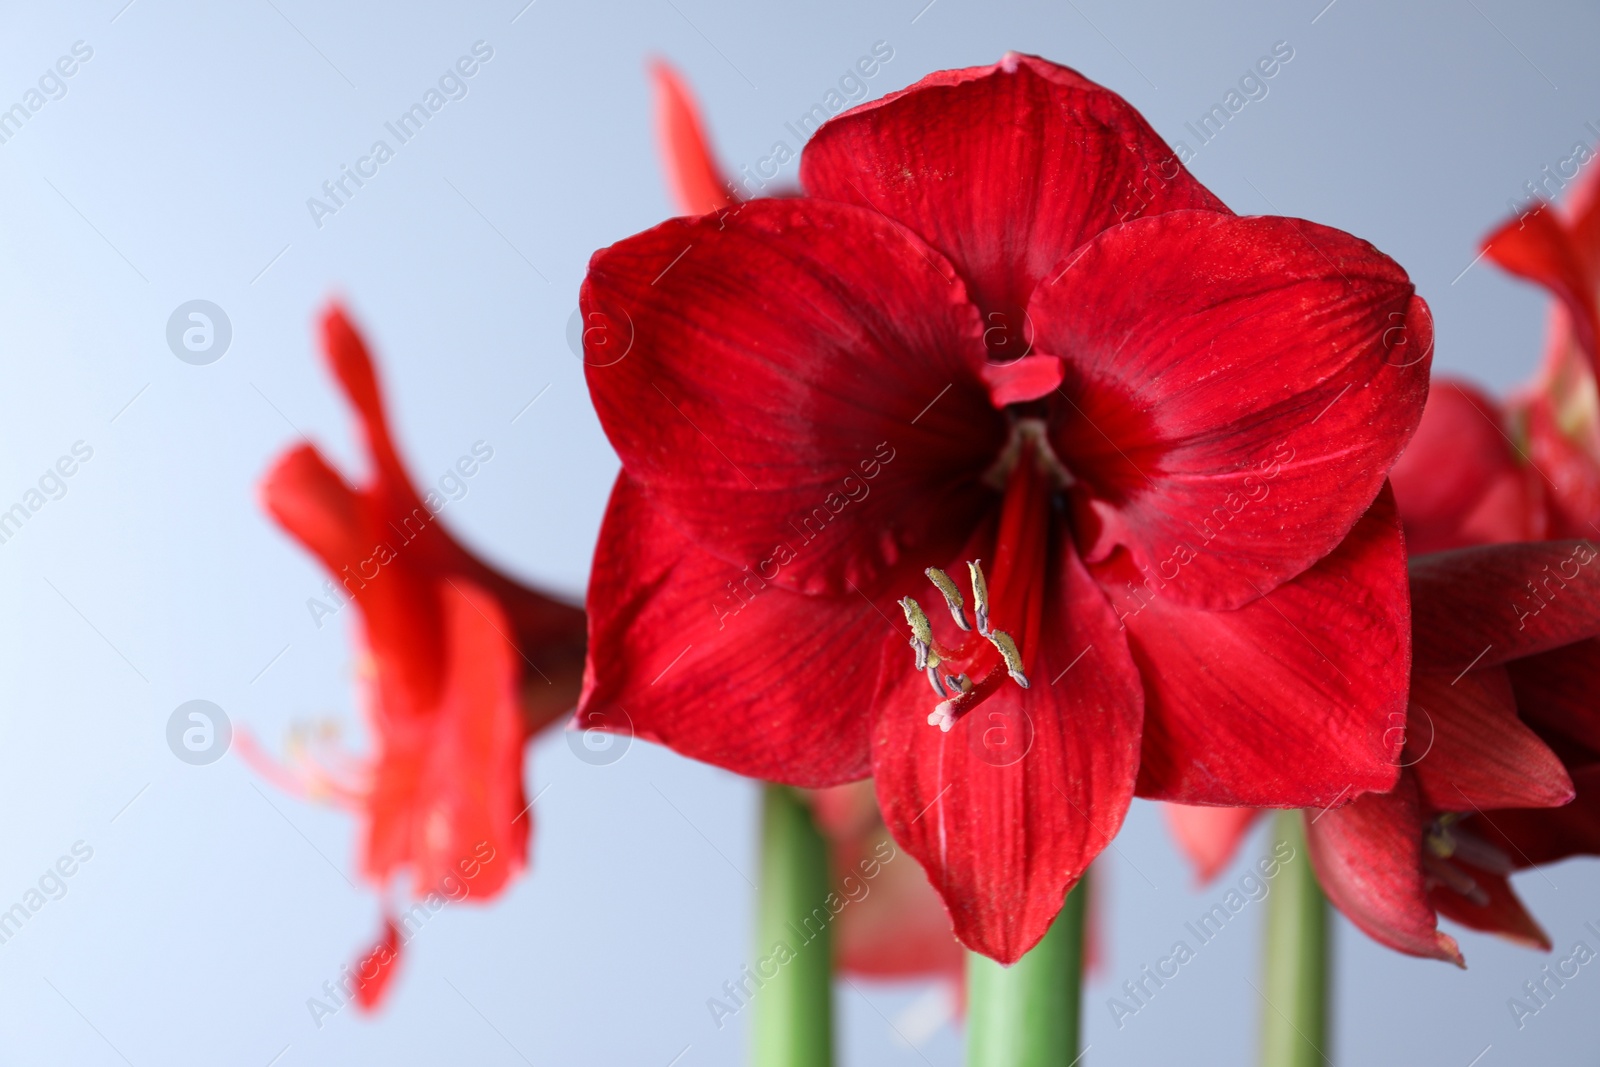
x=1368 y=857
x=1533 y=837
x=1469 y=749
x=1021 y=380
x=345 y=530
x=1561 y=439
x=1235 y=386
x=311 y=501
x=447 y=794
x=698 y=185
x=1538 y=246
x=1480 y=607
x=375 y=970
x=1005 y=169
x=1458 y=461
x=797 y=370
x=353 y=368
x=1209 y=837
x=1503 y=914
x=1556 y=691
x=1003 y=843
x=1295 y=700
x=721 y=666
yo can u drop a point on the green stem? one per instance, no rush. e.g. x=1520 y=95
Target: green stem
x=1026 y=1015
x=1294 y=1020
x=793 y=1012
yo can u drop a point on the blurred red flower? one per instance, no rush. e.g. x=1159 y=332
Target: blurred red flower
x=1005 y=325
x=1503 y=733
x=463 y=664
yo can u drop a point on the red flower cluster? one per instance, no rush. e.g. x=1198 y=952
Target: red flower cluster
x=464 y=663
x=1502 y=752
x=1006 y=338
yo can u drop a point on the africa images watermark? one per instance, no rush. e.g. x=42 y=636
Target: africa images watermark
x=754 y=577
x=451 y=486
x=52 y=886
x=1552 y=584
x=739 y=992
x=1256 y=487
x=1542 y=990
x=52 y=485
x=1136 y=196
x=337 y=192
x=52 y=85
x=852 y=89
x=1250 y=889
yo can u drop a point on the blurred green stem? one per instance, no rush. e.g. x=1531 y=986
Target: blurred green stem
x=793 y=1010
x=1026 y=1015
x=1294 y=1019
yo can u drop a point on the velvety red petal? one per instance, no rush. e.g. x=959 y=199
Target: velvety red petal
x=1294 y=700
x=1003 y=836
x=797 y=371
x=1458 y=458
x=1481 y=607
x=446 y=797
x=1558 y=693
x=1005 y=169
x=1236 y=389
x=1538 y=246
x=698 y=185
x=1368 y=857
x=1469 y=750
x=1208 y=837
x=723 y=666
x=1532 y=837
x=1502 y=913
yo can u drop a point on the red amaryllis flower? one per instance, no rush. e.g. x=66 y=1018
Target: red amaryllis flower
x=1503 y=733
x=1535 y=462
x=1005 y=334
x=464 y=663
x=1463 y=481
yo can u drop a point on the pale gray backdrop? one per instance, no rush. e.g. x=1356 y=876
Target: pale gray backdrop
x=176 y=166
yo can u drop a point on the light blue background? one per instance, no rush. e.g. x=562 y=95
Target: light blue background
x=178 y=165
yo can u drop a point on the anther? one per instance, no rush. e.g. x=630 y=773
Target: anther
x=1009 y=653
x=980 y=596
x=933 y=680
x=921 y=634
x=952 y=596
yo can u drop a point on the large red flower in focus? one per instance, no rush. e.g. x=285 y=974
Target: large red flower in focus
x=1502 y=755
x=465 y=664
x=1005 y=335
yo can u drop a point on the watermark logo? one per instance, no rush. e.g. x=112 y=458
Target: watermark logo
x=198 y=732
x=600 y=747
x=199 y=332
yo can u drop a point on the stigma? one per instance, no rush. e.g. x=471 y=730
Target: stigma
x=993 y=654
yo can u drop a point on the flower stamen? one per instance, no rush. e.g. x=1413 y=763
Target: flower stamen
x=952 y=596
x=959 y=692
x=980 y=595
x=1009 y=653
